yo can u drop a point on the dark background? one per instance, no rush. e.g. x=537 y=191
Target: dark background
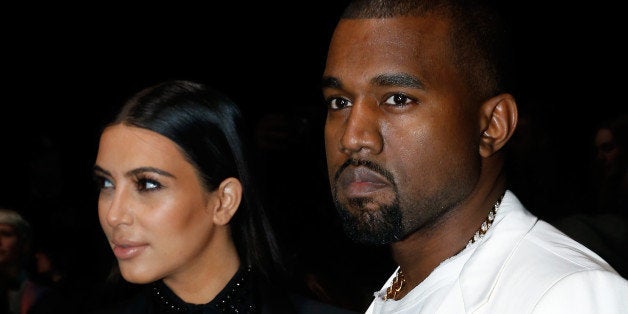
x=67 y=69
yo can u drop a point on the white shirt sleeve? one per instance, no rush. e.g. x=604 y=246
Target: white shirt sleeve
x=597 y=291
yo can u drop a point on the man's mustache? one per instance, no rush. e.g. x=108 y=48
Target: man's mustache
x=365 y=163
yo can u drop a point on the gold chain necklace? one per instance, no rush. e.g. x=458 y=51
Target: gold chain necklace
x=395 y=287
x=400 y=280
x=488 y=222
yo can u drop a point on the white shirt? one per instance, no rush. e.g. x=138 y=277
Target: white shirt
x=521 y=265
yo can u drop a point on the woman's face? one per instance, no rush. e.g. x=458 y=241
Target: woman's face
x=157 y=216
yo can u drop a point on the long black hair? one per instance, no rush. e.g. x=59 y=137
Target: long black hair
x=211 y=132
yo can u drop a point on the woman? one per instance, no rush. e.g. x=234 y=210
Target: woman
x=177 y=206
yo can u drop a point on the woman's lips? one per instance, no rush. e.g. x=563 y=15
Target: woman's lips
x=360 y=181
x=128 y=251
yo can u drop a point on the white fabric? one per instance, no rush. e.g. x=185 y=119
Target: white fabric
x=521 y=265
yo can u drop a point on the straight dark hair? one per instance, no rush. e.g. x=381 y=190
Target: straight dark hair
x=210 y=131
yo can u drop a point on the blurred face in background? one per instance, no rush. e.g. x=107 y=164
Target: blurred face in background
x=607 y=150
x=9 y=245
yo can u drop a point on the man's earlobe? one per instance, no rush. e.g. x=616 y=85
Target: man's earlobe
x=497 y=123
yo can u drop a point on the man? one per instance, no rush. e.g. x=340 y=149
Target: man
x=418 y=118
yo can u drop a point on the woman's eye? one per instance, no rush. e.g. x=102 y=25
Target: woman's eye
x=398 y=100
x=106 y=184
x=147 y=185
x=338 y=103
x=103 y=183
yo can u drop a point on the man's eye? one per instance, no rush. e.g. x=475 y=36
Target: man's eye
x=338 y=103
x=398 y=100
x=148 y=185
x=607 y=147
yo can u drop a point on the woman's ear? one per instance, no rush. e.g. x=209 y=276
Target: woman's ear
x=229 y=194
x=498 y=120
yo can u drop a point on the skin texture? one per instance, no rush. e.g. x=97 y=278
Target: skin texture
x=411 y=154
x=160 y=221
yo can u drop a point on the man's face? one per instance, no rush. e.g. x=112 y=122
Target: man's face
x=401 y=136
x=607 y=149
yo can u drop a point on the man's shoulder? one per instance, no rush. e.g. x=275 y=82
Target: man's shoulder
x=553 y=250
x=521 y=240
x=525 y=260
x=546 y=264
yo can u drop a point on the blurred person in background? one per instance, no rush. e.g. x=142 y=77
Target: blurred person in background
x=18 y=292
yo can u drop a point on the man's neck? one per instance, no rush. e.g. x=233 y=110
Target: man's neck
x=422 y=251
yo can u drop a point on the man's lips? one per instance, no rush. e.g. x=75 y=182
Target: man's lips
x=360 y=181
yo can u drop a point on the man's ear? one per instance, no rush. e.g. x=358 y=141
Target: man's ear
x=498 y=120
x=229 y=195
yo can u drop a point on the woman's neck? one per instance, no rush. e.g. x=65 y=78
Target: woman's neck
x=201 y=281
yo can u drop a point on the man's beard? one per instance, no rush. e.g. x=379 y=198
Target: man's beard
x=367 y=226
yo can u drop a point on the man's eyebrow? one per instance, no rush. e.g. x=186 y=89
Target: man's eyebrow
x=397 y=79
x=330 y=82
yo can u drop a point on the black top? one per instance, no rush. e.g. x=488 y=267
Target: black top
x=240 y=295
x=243 y=294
